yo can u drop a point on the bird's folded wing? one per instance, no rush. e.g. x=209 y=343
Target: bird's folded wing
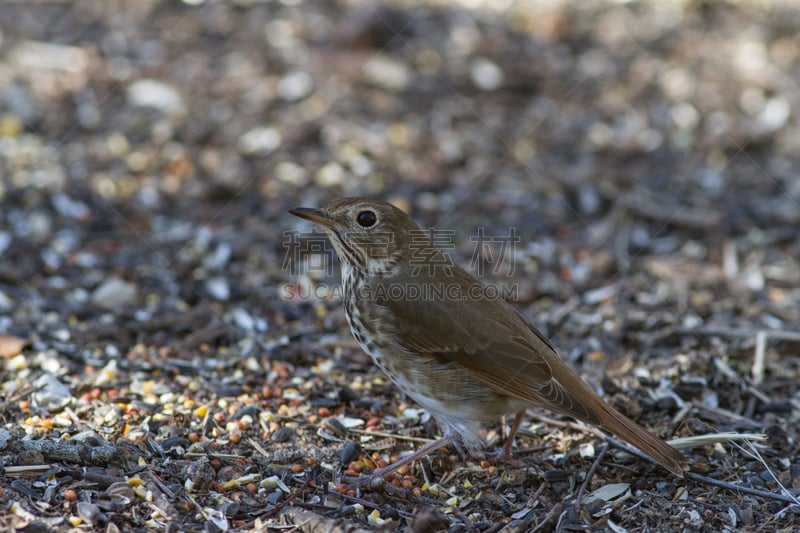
x=490 y=340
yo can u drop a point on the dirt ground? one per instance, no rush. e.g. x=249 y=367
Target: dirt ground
x=173 y=345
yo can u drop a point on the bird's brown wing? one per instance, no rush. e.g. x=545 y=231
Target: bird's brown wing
x=493 y=342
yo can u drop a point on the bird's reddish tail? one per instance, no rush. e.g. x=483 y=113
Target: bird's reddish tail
x=628 y=430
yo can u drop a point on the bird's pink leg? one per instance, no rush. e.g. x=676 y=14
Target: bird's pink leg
x=505 y=455
x=410 y=458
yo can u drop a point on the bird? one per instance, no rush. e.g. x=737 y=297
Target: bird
x=448 y=342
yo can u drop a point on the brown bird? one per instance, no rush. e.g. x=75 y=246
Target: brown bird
x=447 y=341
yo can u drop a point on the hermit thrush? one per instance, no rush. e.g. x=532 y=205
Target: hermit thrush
x=447 y=341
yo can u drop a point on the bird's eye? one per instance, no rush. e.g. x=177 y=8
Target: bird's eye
x=366 y=219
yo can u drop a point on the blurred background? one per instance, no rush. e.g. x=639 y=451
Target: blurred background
x=160 y=143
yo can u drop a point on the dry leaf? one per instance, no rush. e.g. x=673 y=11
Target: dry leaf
x=11 y=345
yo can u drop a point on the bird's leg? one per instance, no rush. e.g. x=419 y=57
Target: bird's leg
x=505 y=456
x=410 y=458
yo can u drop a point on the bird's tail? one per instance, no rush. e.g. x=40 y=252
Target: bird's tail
x=628 y=430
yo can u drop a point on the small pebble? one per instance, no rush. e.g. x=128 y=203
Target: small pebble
x=486 y=75
x=155 y=94
x=114 y=293
x=295 y=85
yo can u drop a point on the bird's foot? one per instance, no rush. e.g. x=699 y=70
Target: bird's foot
x=504 y=456
x=373 y=481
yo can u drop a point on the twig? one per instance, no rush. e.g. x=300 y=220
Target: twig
x=758 y=359
x=555 y=511
x=568 y=424
x=389 y=435
x=690 y=217
x=342 y=343
x=750 y=407
x=739 y=488
x=535 y=496
x=535 y=449
x=23 y=470
x=198 y=315
x=309 y=481
x=103 y=480
x=304 y=520
x=257 y=446
x=207 y=334
x=744 y=332
x=708 y=439
x=730 y=262
x=682 y=413
x=368 y=504
x=728 y=415
x=79 y=453
x=629 y=449
x=151 y=477
x=591 y=472
x=22 y=393
x=213 y=455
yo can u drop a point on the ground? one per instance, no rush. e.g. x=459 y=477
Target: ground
x=174 y=349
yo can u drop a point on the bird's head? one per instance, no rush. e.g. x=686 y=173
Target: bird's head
x=368 y=235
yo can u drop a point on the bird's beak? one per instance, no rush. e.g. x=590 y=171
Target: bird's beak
x=314 y=215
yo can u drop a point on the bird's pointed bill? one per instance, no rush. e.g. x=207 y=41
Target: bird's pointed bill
x=314 y=215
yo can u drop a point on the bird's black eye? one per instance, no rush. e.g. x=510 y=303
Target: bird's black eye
x=366 y=219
